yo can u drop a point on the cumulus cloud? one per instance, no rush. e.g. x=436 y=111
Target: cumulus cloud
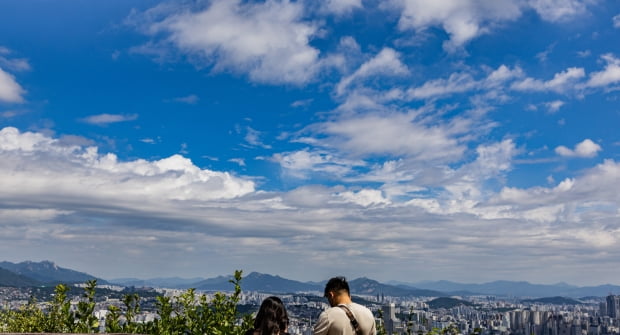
x=104 y=119
x=462 y=20
x=268 y=40
x=56 y=192
x=616 y=21
x=10 y=90
x=566 y=201
x=585 y=149
x=44 y=166
x=610 y=75
x=365 y=197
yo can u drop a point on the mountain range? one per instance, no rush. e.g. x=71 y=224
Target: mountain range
x=47 y=273
x=41 y=273
x=515 y=289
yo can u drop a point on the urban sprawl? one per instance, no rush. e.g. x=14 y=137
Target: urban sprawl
x=401 y=315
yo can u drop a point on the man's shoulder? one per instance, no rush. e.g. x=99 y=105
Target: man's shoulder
x=360 y=308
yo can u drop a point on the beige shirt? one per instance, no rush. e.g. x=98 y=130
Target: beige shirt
x=334 y=321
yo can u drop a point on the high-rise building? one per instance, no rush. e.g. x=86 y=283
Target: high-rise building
x=613 y=306
x=389 y=318
x=603 y=309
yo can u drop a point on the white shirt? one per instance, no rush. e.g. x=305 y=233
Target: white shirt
x=334 y=321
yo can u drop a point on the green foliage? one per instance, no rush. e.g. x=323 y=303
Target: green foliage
x=59 y=319
x=29 y=318
x=452 y=329
x=85 y=320
x=381 y=324
x=188 y=313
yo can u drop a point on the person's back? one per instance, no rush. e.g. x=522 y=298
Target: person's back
x=334 y=320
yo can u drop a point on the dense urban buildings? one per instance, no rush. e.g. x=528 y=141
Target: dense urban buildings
x=410 y=315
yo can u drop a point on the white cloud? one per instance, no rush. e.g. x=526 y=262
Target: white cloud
x=34 y=165
x=561 y=82
x=395 y=134
x=616 y=21
x=70 y=194
x=302 y=103
x=252 y=137
x=503 y=74
x=456 y=83
x=386 y=63
x=340 y=7
x=586 y=148
x=239 y=161
x=462 y=20
x=554 y=106
x=304 y=163
x=15 y=64
x=103 y=119
x=12 y=64
x=267 y=40
x=590 y=199
x=610 y=75
x=558 y=10
x=10 y=90
x=461 y=82
x=365 y=197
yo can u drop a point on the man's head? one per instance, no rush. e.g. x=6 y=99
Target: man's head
x=336 y=290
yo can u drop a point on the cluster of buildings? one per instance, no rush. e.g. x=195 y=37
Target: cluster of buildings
x=405 y=316
x=506 y=318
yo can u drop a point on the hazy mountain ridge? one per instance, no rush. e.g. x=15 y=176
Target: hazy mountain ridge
x=367 y=286
x=446 y=302
x=516 y=288
x=12 y=279
x=554 y=301
x=46 y=272
x=259 y=282
x=159 y=282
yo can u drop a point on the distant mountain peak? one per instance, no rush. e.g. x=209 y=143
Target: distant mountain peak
x=48 y=272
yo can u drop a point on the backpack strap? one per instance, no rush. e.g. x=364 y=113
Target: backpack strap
x=354 y=323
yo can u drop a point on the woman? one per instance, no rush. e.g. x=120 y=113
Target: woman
x=271 y=319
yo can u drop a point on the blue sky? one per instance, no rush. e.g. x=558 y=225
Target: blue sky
x=401 y=139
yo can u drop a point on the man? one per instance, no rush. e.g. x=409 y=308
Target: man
x=334 y=320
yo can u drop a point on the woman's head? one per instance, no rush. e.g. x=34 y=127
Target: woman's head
x=271 y=317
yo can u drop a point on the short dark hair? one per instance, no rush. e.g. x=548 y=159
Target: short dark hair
x=337 y=284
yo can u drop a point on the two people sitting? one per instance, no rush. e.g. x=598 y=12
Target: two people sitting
x=344 y=317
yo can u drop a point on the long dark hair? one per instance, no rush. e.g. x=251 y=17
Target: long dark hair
x=272 y=317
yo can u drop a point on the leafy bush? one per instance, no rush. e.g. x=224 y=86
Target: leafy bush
x=188 y=313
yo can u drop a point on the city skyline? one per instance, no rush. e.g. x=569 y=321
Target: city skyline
x=469 y=141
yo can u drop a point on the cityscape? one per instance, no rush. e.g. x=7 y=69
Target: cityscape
x=468 y=313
